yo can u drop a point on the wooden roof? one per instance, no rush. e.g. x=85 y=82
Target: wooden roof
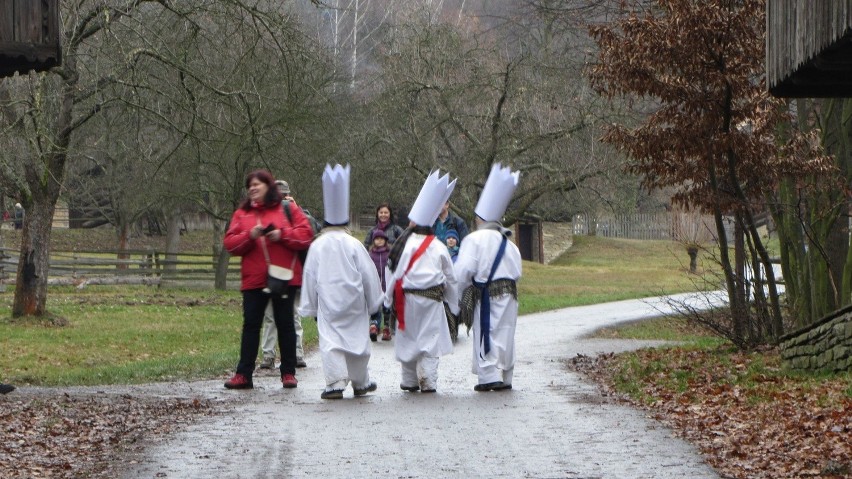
x=809 y=48
x=29 y=36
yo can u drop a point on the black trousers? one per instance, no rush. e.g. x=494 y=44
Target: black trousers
x=254 y=305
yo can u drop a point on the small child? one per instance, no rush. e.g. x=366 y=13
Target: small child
x=341 y=289
x=453 y=243
x=379 y=252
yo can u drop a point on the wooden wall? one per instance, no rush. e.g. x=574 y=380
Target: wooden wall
x=29 y=35
x=807 y=45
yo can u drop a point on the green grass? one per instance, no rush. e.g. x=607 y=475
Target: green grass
x=597 y=270
x=667 y=328
x=135 y=334
x=126 y=335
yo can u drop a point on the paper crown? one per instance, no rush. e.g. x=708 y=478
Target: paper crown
x=497 y=193
x=434 y=193
x=335 y=194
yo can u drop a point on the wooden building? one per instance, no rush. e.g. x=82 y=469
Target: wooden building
x=809 y=48
x=530 y=240
x=29 y=36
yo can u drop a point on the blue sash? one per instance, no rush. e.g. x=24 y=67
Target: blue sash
x=485 y=303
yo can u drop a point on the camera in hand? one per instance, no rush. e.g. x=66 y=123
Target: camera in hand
x=268 y=228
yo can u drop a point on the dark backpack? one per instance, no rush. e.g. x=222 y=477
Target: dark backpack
x=316 y=226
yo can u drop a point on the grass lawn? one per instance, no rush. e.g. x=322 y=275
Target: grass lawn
x=135 y=334
x=597 y=270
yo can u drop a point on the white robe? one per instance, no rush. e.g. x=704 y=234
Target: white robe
x=426 y=331
x=475 y=259
x=341 y=288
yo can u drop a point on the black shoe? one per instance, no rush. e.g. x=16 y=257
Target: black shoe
x=362 y=391
x=6 y=388
x=411 y=389
x=490 y=386
x=332 y=394
x=504 y=387
x=428 y=390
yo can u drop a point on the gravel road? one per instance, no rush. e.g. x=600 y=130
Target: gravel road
x=551 y=425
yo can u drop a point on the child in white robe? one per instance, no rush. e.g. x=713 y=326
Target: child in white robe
x=422 y=279
x=487 y=268
x=340 y=287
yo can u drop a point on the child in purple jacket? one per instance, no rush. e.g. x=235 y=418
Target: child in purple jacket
x=379 y=252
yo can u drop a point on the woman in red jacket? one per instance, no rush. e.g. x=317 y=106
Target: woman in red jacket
x=260 y=224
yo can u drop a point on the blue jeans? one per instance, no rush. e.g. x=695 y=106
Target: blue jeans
x=377 y=319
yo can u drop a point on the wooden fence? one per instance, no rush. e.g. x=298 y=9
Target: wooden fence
x=653 y=226
x=656 y=226
x=81 y=268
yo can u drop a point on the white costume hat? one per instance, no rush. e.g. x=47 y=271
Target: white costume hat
x=434 y=193
x=335 y=194
x=497 y=193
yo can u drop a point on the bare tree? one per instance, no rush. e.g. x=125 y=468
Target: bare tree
x=200 y=70
x=462 y=101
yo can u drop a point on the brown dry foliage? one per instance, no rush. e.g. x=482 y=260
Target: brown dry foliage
x=714 y=128
x=748 y=418
x=70 y=436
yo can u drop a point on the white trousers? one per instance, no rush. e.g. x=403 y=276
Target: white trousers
x=339 y=368
x=269 y=336
x=422 y=372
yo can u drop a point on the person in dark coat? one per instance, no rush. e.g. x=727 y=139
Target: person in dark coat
x=385 y=221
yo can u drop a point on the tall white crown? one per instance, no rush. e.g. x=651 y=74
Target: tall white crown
x=335 y=194
x=497 y=193
x=434 y=193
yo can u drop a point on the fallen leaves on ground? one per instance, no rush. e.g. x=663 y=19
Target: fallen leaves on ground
x=66 y=436
x=748 y=418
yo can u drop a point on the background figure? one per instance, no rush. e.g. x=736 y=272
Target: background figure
x=446 y=221
x=341 y=289
x=452 y=240
x=270 y=335
x=261 y=234
x=19 y=216
x=385 y=221
x=270 y=332
x=379 y=252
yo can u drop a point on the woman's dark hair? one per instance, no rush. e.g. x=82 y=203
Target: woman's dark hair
x=273 y=196
x=385 y=205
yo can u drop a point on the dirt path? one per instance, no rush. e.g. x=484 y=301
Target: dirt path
x=551 y=424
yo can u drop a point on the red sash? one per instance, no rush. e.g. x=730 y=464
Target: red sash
x=398 y=293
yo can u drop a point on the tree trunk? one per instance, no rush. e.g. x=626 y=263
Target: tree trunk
x=123 y=232
x=44 y=187
x=172 y=240
x=739 y=304
x=220 y=256
x=692 y=251
x=34 y=261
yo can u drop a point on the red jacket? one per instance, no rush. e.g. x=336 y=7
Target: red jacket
x=294 y=237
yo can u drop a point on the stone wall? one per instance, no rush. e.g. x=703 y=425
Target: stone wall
x=823 y=346
x=557 y=238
